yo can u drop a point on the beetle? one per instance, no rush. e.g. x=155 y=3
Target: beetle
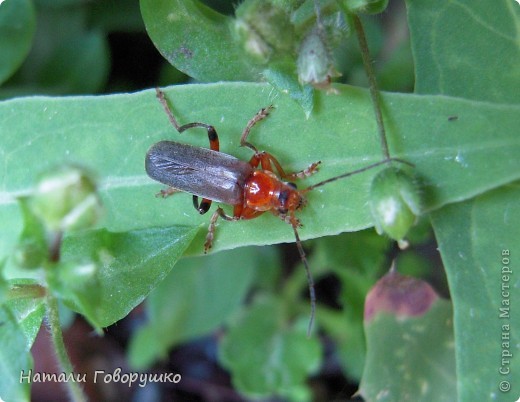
x=252 y=188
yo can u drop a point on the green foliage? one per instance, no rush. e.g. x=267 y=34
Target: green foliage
x=459 y=131
x=411 y=359
x=198 y=296
x=455 y=160
x=473 y=234
x=21 y=314
x=15 y=357
x=63 y=44
x=129 y=266
x=17 y=24
x=196 y=40
x=265 y=356
x=357 y=260
x=466 y=49
x=481 y=285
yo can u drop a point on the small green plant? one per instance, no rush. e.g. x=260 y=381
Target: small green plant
x=458 y=129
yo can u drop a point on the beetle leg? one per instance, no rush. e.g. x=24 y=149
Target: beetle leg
x=166 y=192
x=290 y=219
x=212 y=133
x=262 y=114
x=211 y=229
x=268 y=161
x=302 y=174
x=204 y=205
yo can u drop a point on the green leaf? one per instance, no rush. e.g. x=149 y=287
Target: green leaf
x=15 y=358
x=282 y=77
x=466 y=48
x=411 y=359
x=130 y=265
x=195 y=298
x=26 y=303
x=266 y=358
x=32 y=248
x=455 y=160
x=17 y=26
x=475 y=238
x=197 y=40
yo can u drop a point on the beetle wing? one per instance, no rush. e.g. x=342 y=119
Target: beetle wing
x=170 y=166
x=199 y=171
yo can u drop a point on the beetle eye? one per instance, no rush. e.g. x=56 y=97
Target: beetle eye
x=293 y=185
x=283 y=196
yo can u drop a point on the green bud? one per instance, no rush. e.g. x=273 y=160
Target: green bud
x=264 y=29
x=365 y=6
x=395 y=202
x=315 y=63
x=66 y=199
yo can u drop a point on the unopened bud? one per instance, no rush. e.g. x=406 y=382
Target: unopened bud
x=315 y=63
x=395 y=202
x=66 y=199
x=264 y=29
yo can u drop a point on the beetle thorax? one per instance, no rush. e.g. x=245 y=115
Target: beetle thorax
x=264 y=191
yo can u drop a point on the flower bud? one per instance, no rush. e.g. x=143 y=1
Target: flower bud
x=315 y=63
x=65 y=199
x=395 y=202
x=264 y=29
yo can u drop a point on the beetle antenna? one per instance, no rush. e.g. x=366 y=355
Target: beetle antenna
x=363 y=169
x=310 y=281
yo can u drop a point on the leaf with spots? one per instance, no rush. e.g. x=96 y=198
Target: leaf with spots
x=410 y=358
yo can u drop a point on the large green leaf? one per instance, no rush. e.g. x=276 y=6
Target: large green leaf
x=197 y=40
x=456 y=160
x=473 y=234
x=410 y=358
x=466 y=48
x=128 y=267
x=479 y=240
x=17 y=25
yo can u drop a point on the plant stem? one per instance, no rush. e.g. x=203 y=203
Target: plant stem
x=374 y=94
x=53 y=322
